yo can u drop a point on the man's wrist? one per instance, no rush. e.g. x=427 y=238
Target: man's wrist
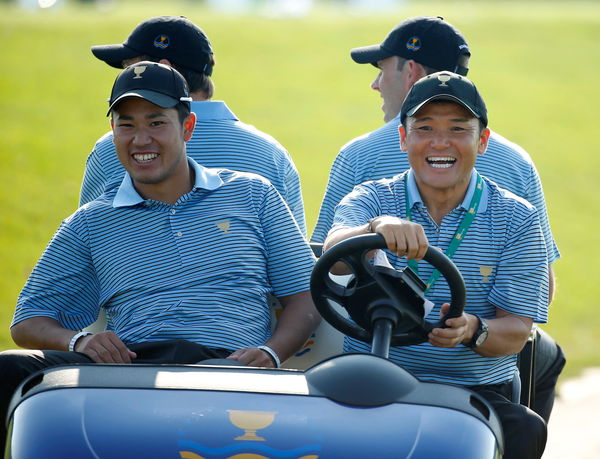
x=480 y=333
x=272 y=354
x=472 y=325
x=370 y=224
x=76 y=337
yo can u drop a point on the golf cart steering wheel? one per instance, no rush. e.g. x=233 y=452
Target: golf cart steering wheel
x=373 y=289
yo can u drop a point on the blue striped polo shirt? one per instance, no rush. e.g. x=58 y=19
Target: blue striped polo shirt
x=377 y=155
x=502 y=259
x=201 y=269
x=220 y=140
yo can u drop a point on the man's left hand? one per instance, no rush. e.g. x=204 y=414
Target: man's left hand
x=253 y=357
x=456 y=333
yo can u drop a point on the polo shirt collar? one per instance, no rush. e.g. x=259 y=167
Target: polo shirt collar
x=396 y=120
x=206 y=178
x=210 y=110
x=415 y=197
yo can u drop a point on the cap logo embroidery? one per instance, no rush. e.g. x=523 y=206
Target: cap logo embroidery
x=444 y=78
x=138 y=71
x=162 y=41
x=223 y=226
x=413 y=43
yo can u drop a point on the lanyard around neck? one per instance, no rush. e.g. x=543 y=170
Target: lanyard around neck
x=460 y=233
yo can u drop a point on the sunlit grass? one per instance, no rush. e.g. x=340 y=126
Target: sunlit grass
x=537 y=64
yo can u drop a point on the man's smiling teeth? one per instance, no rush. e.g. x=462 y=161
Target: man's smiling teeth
x=441 y=162
x=144 y=157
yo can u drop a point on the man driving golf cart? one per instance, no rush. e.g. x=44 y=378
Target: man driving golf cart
x=493 y=237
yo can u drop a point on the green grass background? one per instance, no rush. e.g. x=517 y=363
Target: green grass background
x=537 y=64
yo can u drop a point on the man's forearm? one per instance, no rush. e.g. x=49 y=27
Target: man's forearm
x=507 y=334
x=297 y=321
x=41 y=333
x=343 y=234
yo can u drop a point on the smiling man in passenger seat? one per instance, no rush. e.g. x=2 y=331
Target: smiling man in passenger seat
x=182 y=257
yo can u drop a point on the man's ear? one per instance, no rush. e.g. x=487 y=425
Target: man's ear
x=188 y=126
x=402 y=131
x=165 y=62
x=484 y=137
x=415 y=72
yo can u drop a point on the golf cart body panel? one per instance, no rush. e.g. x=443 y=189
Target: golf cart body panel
x=196 y=411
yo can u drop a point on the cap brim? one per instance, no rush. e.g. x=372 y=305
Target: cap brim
x=114 y=55
x=369 y=54
x=153 y=97
x=447 y=97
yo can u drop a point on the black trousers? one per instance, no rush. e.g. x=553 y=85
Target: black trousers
x=525 y=431
x=17 y=365
x=549 y=363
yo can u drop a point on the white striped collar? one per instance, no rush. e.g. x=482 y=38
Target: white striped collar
x=205 y=178
x=415 y=197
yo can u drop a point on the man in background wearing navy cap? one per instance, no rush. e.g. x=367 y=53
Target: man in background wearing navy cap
x=182 y=257
x=416 y=47
x=220 y=140
x=494 y=238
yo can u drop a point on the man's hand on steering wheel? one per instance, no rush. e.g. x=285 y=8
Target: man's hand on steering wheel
x=402 y=237
x=457 y=330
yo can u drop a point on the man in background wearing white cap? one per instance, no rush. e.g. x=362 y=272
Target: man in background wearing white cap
x=221 y=140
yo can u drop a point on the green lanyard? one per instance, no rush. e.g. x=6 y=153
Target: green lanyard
x=460 y=232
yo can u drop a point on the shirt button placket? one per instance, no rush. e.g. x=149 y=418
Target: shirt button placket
x=178 y=233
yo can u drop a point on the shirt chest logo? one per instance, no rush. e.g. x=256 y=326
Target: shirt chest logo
x=223 y=226
x=486 y=272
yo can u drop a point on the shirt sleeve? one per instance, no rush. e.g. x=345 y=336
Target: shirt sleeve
x=521 y=285
x=535 y=195
x=341 y=182
x=293 y=195
x=357 y=207
x=103 y=170
x=290 y=259
x=93 y=179
x=63 y=284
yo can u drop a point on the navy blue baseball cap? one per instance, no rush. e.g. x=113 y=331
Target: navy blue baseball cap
x=175 y=38
x=446 y=86
x=157 y=83
x=430 y=41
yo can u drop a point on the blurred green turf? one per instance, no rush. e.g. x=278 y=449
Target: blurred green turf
x=537 y=64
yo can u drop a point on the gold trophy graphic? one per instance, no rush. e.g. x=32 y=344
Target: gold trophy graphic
x=250 y=422
x=486 y=271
